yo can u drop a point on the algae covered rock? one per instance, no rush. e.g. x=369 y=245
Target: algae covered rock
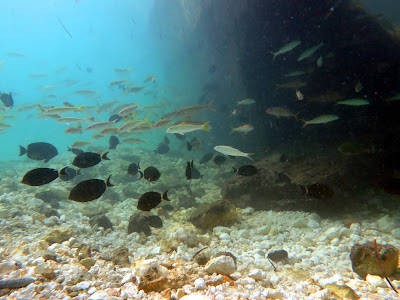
x=363 y=259
x=343 y=291
x=58 y=235
x=101 y=221
x=208 y=216
x=121 y=257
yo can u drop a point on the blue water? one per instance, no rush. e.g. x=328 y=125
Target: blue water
x=105 y=35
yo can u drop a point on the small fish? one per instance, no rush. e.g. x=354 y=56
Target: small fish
x=295 y=73
x=7 y=100
x=310 y=51
x=128 y=126
x=133 y=169
x=133 y=89
x=151 y=174
x=299 y=95
x=39 y=151
x=66 y=103
x=62 y=110
x=280 y=112
x=162 y=148
x=247 y=101
x=80 y=144
x=291 y=85
x=67 y=174
x=162 y=123
x=193 y=110
x=395 y=98
x=354 y=102
x=358 y=87
x=150 y=200
x=191 y=122
x=228 y=150
x=99 y=125
x=320 y=120
x=97 y=136
x=75 y=151
x=320 y=61
x=185 y=128
x=247 y=170
x=89 y=190
x=132 y=141
x=206 y=158
x=151 y=78
x=109 y=130
x=113 y=142
x=88 y=159
x=243 y=129
x=119 y=83
x=40 y=176
x=73 y=130
x=288 y=47
x=127 y=110
x=123 y=71
x=86 y=93
x=219 y=159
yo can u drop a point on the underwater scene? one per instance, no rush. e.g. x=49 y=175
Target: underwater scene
x=199 y=149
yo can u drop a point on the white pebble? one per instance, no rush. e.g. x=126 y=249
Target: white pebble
x=375 y=281
x=91 y=290
x=200 y=284
x=256 y=274
x=332 y=233
x=225 y=236
x=312 y=223
x=221 y=265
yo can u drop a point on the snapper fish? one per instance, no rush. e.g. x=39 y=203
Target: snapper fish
x=280 y=112
x=247 y=101
x=228 y=150
x=309 y=52
x=321 y=120
x=243 y=129
x=288 y=47
x=193 y=110
x=354 y=102
x=99 y=125
x=185 y=128
x=62 y=110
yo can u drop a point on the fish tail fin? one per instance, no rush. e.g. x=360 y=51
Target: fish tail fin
x=22 y=150
x=303 y=189
x=248 y=156
x=108 y=182
x=63 y=172
x=147 y=120
x=79 y=125
x=80 y=107
x=234 y=170
x=104 y=157
x=304 y=123
x=191 y=164
x=232 y=131
x=274 y=56
x=209 y=107
x=165 y=196
x=141 y=175
x=205 y=127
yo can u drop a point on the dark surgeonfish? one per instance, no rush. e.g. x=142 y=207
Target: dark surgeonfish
x=133 y=169
x=88 y=159
x=162 y=148
x=150 y=200
x=191 y=172
x=219 y=159
x=113 y=142
x=206 y=157
x=166 y=140
x=247 y=170
x=75 y=151
x=7 y=99
x=151 y=174
x=318 y=190
x=39 y=151
x=67 y=173
x=89 y=190
x=40 y=176
x=115 y=118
